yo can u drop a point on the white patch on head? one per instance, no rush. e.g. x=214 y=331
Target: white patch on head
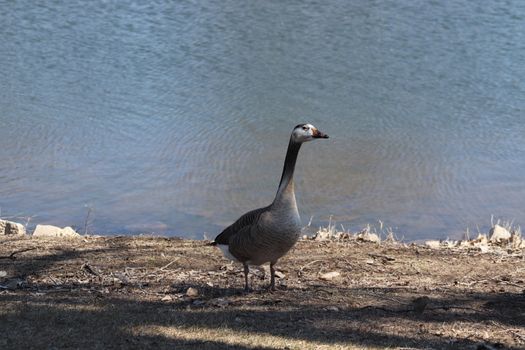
x=304 y=133
x=226 y=251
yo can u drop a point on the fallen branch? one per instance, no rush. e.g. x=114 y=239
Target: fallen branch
x=12 y=255
x=310 y=263
x=169 y=264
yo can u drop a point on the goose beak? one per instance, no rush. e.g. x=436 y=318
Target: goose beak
x=319 y=135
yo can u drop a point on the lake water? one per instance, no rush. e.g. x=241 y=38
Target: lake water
x=173 y=117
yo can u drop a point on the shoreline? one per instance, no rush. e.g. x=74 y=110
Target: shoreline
x=502 y=235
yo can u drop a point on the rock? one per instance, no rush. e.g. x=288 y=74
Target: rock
x=449 y=244
x=330 y=275
x=121 y=279
x=3 y=273
x=323 y=235
x=483 y=248
x=499 y=234
x=368 y=237
x=481 y=240
x=264 y=271
x=279 y=274
x=54 y=231
x=433 y=244
x=192 y=292
x=332 y=308
x=11 y=228
x=166 y=298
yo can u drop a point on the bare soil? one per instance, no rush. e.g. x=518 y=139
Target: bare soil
x=168 y=293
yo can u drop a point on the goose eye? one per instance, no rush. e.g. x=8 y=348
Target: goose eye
x=305 y=128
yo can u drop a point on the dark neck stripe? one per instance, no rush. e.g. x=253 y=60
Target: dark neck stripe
x=289 y=166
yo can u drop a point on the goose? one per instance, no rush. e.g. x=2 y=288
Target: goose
x=266 y=234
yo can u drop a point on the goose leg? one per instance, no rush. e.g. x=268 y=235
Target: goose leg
x=246 y=270
x=272 y=277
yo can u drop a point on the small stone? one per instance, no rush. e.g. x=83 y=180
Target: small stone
x=449 y=244
x=330 y=275
x=433 y=244
x=332 y=308
x=11 y=228
x=368 y=237
x=192 y=292
x=499 y=234
x=167 y=298
x=3 y=273
x=54 y=231
x=481 y=239
x=370 y=261
x=323 y=235
x=279 y=274
x=483 y=248
x=198 y=302
x=118 y=283
x=121 y=279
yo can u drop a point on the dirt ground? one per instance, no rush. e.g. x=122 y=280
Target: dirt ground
x=168 y=293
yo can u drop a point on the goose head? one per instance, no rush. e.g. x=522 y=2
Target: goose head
x=307 y=132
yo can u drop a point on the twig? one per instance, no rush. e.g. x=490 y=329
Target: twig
x=511 y=284
x=12 y=255
x=53 y=280
x=169 y=264
x=310 y=263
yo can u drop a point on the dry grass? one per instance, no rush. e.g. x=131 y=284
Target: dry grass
x=130 y=292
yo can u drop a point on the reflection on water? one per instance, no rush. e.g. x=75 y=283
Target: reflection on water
x=174 y=117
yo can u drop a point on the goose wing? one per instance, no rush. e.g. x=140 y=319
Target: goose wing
x=248 y=219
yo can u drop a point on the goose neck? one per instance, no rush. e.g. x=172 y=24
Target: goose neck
x=286 y=185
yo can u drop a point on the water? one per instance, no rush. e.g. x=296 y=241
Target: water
x=174 y=117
